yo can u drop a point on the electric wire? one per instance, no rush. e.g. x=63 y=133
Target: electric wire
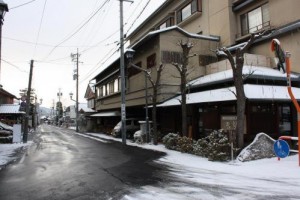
x=22 y=4
x=18 y=68
x=40 y=26
x=138 y=16
x=98 y=24
x=101 y=62
x=47 y=45
x=76 y=31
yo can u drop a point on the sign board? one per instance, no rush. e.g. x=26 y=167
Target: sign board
x=281 y=148
x=17 y=133
x=228 y=122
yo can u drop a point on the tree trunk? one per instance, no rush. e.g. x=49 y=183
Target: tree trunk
x=241 y=100
x=183 y=105
x=154 y=119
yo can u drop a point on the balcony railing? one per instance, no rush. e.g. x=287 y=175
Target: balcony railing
x=264 y=26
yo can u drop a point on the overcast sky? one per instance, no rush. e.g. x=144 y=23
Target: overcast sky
x=48 y=31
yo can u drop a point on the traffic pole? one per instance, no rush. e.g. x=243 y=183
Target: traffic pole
x=294 y=100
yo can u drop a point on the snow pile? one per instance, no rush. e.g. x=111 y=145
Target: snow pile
x=261 y=147
x=8 y=150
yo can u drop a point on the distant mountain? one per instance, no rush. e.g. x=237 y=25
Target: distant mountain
x=45 y=111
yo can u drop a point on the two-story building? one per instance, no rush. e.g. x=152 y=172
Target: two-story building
x=208 y=25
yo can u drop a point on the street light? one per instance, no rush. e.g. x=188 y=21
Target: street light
x=129 y=55
x=76 y=110
x=3 y=10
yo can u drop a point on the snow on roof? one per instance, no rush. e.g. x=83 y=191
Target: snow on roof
x=193 y=35
x=247 y=70
x=10 y=109
x=84 y=109
x=257 y=92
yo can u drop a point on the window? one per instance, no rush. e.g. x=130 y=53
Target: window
x=151 y=61
x=171 y=57
x=116 y=85
x=111 y=87
x=169 y=22
x=99 y=92
x=188 y=10
x=163 y=25
x=255 y=20
x=103 y=91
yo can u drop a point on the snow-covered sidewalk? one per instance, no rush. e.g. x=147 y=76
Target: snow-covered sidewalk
x=7 y=152
x=197 y=178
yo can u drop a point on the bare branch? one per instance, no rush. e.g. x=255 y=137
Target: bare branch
x=193 y=55
x=178 y=67
x=253 y=37
x=232 y=92
x=246 y=76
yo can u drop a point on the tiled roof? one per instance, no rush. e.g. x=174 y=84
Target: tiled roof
x=10 y=109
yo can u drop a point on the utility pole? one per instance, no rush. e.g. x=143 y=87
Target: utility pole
x=25 y=136
x=75 y=58
x=122 y=70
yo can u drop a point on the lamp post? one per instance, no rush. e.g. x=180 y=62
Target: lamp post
x=3 y=10
x=76 y=110
x=129 y=55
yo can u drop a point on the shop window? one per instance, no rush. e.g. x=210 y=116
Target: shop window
x=285 y=119
x=255 y=20
x=261 y=109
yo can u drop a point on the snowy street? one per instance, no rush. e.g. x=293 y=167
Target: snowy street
x=63 y=170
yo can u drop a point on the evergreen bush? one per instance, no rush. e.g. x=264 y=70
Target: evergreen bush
x=170 y=141
x=185 y=145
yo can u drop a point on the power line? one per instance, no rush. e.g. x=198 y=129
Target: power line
x=138 y=16
x=40 y=26
x=18 y=68
x=101 y=62
x=43 y=44
x=22 y=4
x=85 y=23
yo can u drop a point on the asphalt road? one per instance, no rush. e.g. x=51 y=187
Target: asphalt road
x=62 y=165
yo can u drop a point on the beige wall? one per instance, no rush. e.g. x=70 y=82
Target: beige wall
x=284 y=12
x=220 y=20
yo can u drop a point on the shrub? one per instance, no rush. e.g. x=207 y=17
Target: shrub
x=215 y=146
x=185 y=145
x=219 y=147
x=200 y=148
x=170 y=141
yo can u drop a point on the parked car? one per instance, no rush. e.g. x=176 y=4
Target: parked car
x=6 y=133
x=132 y=125
x=4 y=126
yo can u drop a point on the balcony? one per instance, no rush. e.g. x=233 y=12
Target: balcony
x=266 y=26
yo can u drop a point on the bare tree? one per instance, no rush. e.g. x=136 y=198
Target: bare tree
x=155 y=86
x=183 y=71
x=238 y=78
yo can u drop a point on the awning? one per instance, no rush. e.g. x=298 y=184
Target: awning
x=253 y=92
x=107 y=114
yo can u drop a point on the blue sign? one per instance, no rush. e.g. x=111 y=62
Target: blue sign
x=281 y=148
